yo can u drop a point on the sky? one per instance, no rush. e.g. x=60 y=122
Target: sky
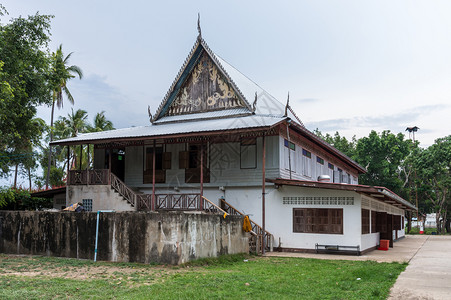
x=349 y=66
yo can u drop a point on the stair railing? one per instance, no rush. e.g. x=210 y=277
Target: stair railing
x=122 y=189
x=257 y=230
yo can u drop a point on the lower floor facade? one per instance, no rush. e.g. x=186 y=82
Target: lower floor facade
x=298 y=218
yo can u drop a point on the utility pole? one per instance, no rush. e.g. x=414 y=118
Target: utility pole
x=412 y=131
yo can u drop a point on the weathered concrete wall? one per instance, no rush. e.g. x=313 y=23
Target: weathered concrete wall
x=160 y=237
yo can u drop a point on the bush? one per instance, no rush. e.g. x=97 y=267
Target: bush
x=19 y=199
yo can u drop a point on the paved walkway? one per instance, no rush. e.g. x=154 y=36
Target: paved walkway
x=403 y=251
x=428 y=275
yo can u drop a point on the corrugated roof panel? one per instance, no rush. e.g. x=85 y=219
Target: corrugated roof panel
x=155 y=130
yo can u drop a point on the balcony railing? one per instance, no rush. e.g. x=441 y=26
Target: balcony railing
x=177 y=201
x=88 y=177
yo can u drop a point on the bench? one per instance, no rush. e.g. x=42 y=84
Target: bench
x=337 y=249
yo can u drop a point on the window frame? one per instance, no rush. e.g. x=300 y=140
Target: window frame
x=314 y=220
x=365 y=221
x=247 y=143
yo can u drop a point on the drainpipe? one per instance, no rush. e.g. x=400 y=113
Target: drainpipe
x=263 y=193
x=289 y=149
x=97 y=230
x=152 y=205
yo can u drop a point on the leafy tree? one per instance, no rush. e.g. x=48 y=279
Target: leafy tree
x=434 y=177
x=23 y=82
x=339 y=142
x=60 y=75
x=382 y=155
x=70 y=126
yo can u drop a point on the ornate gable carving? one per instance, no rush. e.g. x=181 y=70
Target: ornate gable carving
x=205 y=89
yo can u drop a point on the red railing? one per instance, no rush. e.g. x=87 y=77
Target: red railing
x=257 y=230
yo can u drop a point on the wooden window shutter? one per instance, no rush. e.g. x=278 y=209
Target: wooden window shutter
x=183 y=159
x=397 y=222
x=381 y=220
x=373 y=221
x=365 y=221
x=167 y=160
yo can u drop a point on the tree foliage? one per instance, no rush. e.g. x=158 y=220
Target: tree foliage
x=24 y=84
x=403 y=167
x=433 y=166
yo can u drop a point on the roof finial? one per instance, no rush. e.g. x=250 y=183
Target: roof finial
x=150 y=114
x=288 y=105
x=198 y=27
x=254 y=105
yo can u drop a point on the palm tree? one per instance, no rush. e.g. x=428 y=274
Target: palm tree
x=101 y=123
x=76 y=122
x=61 y=74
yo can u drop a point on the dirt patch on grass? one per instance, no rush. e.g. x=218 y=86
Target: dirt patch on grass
x=13 y=265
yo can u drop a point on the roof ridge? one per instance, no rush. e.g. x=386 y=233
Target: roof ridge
x=177 y=78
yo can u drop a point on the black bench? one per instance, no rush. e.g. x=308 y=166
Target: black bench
x=337 y=249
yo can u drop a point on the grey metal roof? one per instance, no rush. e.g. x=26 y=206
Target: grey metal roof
x=167 y=129
x=266 y=103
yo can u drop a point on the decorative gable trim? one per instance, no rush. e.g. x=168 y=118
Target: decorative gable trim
x=190 y=62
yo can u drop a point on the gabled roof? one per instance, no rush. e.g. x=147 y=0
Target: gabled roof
x=255 y=99
x=252 y=107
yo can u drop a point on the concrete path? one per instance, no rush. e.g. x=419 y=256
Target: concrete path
x=403 y=251
x=428 y=275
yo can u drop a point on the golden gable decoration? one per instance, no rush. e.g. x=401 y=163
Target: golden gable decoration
x=205 y=89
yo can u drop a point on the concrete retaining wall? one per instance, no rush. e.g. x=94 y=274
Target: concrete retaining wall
x=146 y=237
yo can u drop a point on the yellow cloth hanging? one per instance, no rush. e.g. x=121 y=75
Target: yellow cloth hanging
x=247 y=227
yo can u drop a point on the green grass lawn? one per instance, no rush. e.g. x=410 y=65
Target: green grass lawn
x=226 y=277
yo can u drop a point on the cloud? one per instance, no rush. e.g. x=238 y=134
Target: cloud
x=308 y=100
x=392 y=122
x=94 y=94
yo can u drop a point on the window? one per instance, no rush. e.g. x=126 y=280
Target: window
x=338 y=176
x=373 y=221
x=191 y=162
x=319 y=166
x=162 y=163
x=402 y=222
x=318 y=220
x=289 y=145
x=290 y=156
x=248 y=153
x=87 y=204
x=365 y=221
x=306 y=163
x=381 y=222
x=397 y=222
x=330 y=166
